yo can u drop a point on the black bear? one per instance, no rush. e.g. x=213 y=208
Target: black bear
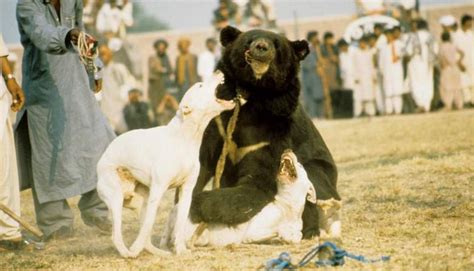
x=263 y=67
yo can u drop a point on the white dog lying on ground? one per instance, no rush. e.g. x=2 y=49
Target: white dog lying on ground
x=281 y=218
x=159 y=158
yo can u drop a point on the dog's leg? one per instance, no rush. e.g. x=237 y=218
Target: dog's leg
x=142 y=191
x=169 y=228
x=157 y=189
x=110 y=191
x=182 y=221
x=290 y=232
x=260 y=238
x=330 y=211
x=259 y=231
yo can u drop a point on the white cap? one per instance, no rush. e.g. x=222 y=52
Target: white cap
x=447 y=20
x=115 y=44
x=408 y=4
x=389 y=27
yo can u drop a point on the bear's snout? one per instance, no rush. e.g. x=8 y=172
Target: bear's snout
x=261 y=46
x=262 y=50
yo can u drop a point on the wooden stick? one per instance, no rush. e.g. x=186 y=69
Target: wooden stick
x=22 y=222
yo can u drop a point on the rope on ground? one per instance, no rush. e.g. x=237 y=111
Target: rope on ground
x=281 y=263
x=336 y=258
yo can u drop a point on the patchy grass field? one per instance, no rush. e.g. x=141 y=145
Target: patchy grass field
x=407 y=186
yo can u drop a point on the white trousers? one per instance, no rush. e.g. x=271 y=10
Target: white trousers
x=393 y=105
x=468 y=94
x=9 y=184
x=467 y=83
x=368 y=107
x=379 y=95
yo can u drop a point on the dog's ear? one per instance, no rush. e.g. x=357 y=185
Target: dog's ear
x=301 y=48
x=228 y=35
x=186 y=110
x=311 y=197
x=183 y=111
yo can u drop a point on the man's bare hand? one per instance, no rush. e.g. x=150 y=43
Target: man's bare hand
x=98 y=85
x=18 y=97
x=73 y=35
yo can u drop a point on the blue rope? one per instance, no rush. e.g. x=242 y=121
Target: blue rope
x=337 y=258
x=281 y=263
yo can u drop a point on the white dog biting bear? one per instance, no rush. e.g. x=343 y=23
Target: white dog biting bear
x=159 y=159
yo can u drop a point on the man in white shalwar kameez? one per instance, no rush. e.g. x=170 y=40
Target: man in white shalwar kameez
x=464 y=40
x=207 y=60
x=381 y=41
x=346 y=65
x=113 y=19
x=11 y=97
x=390 y=65
x=116 y=84
x=364 y=78
x=422 y=50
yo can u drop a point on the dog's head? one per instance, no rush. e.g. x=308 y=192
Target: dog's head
x=292 y=178
x=200 y=103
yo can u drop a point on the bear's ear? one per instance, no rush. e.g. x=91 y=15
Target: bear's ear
x=301 y=48
x=229 y=34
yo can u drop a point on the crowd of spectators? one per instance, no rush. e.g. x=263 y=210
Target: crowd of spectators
x=391 y=69
x=245 y=13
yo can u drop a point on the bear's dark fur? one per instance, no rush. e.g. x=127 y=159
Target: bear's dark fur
x=272 y=117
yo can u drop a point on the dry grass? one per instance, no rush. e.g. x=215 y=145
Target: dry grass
x=407 y=186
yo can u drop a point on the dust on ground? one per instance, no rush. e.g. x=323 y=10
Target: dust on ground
x=406 y=184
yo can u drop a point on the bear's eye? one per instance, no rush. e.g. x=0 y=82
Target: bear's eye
x=276 y=43
x=248 y=43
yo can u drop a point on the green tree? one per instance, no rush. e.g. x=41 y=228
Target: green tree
x=145 y=22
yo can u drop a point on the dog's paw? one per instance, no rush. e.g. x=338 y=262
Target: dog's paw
x=123 y=251
x=135 y=250
x=291 y=237
x=156 y=251
x=180 y=249
x=128 y=254
x=164 y=243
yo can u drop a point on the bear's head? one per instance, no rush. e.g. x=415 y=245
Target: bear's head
x=261 y=63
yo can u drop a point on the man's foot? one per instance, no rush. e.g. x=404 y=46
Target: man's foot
x=64 y=232
x=101 y=223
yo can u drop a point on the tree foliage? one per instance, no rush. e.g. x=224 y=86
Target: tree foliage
x=145 y=22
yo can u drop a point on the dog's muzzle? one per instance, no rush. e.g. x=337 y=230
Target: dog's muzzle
x=288 y=164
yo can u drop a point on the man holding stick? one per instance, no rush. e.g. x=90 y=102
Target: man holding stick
x=11 y=97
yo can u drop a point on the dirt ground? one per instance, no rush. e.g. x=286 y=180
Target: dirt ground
x=407 y=187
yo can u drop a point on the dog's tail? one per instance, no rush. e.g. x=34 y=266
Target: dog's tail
x=110 y=191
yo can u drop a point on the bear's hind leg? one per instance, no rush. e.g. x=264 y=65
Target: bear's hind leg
x=310 y=221
x=233 y=205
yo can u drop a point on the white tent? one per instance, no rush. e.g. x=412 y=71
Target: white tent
x=365 y=25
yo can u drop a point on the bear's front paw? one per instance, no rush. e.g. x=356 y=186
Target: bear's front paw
x=310 y=233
